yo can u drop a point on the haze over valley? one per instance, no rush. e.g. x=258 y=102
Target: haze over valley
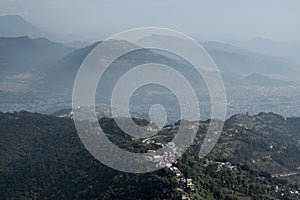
x=42 y=76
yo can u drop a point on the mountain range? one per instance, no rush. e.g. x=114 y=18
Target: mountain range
x=44 y=70
x=60 y=63
x=16 y=26
x=233 y=59
x=21 y=54
x=284 y=50
x=26 y=53
x=24 y=60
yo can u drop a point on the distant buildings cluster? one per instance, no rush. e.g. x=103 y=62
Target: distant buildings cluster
x=227 y=165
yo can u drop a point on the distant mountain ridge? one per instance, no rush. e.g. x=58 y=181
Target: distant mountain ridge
x=233 y=59
x=238 y=66
x=16 y=26
x=285 y=50
x=229 y=58
x=23 y=60
x=22 y=53
x=261 y=80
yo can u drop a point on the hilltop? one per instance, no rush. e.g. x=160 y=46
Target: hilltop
x=43 y=156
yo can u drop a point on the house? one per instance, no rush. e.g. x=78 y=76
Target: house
x=267 y=157
x=151 y=151
x=169 y=165
x=276 y=188
x=229 y=166
x=189 y=184
x=184 y=197
x=176 y=171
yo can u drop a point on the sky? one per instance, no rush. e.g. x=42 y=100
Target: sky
x=232 y=19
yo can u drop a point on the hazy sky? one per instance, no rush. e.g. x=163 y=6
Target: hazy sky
x=274 y=19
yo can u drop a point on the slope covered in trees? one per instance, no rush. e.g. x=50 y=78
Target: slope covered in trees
x=42 y=157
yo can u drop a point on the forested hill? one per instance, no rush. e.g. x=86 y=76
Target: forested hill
x=42 y=157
